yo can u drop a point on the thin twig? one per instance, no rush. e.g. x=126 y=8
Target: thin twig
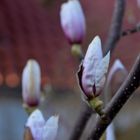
x=131 y=83
x=116 y=25
x=81 y=122
x=131 y=31
x=115 y=30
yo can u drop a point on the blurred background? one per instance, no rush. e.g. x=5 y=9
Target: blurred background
x=31 y=29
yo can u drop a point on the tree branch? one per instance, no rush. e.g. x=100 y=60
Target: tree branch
x=116 y=25
x=81 y=123
x=131 y=83
x=131 y=31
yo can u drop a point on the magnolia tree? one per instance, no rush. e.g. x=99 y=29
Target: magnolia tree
x=93 y=77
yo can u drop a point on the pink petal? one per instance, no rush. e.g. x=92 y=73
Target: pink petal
x=101 y=71
x=73 y=21
x=94 y=53
x=92 y=59
x=50 y=129
x=116 y=66
x=31 y=80
x=36 y=123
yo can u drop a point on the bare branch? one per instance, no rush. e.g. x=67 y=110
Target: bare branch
x=116 y=25
x=131 y=31
x=131 y=83
x=81 y=123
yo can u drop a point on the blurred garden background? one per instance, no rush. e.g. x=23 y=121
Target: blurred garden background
x=31 y=29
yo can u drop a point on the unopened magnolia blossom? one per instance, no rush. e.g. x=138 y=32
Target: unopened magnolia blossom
x=93 y=69
x=41 y=129
x=116 y=67
x=73 y=21
x=31 y=81
x=116 y=77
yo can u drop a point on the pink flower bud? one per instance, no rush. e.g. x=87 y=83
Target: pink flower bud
x=116 y=67
x=93 y=69
x=41 y=129
x=116 y=77
x=31 y=81
x=73 y=21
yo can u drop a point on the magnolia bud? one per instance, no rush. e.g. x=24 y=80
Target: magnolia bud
x=93 y=69
x=41 y=129
x=116 y=76
x=31 y=81
x=116 y=67
x=73 y=21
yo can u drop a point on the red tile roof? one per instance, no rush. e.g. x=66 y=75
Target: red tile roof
x=29 y=30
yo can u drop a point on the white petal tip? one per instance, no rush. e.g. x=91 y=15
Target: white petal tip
x=53 y=120
x=33 y=62
x=97 y=37
x=50 y=129
x=96 y=42
x=35 y=113
x=118 y=64
x=35 y=117
x=94 y=50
